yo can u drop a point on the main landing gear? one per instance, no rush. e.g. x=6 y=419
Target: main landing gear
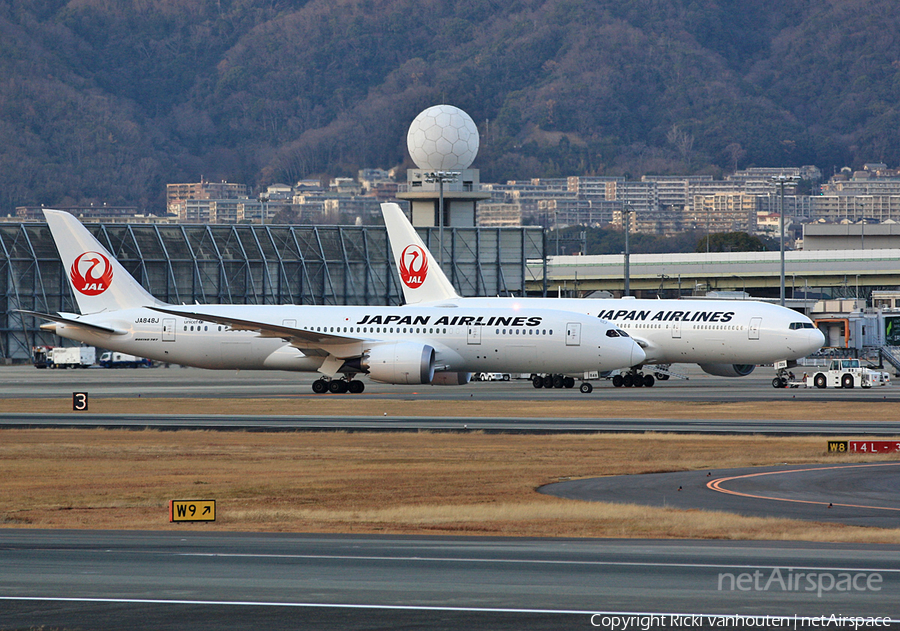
x=552 y=381
x=338 y=386
x=635 y=379
x=560 y=381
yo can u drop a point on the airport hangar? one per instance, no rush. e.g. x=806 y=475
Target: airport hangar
x=248 y=264
x=281 y=264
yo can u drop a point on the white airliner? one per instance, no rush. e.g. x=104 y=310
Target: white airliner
x=398 y=345
x=727 y=338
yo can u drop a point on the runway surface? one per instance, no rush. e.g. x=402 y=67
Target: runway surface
x=378 y=423
x=29 y=382
x=143 y=580
x=851 y=494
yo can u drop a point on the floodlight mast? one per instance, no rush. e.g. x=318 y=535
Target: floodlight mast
x=626 y=213
x=441 y=177
x=781 y=181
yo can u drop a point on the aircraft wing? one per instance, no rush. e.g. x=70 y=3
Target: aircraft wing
x=310 y=342
x=54 y=317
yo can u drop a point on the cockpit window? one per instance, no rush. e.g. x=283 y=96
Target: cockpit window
x=612 y=333
x=621 y=333
x=801 y=325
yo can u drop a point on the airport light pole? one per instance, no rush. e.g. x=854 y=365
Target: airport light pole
x=441 y=177
x=781 y=181
x=707 y=228
x=263 y=202
x=626 y=211
x=556 y=228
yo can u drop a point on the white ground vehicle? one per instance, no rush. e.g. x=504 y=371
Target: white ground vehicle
x=66 y=357
x=111 y=359
x=493 y=376
x=847 y=373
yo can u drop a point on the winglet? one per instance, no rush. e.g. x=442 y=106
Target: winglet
x=98 y=280
x=421 y=277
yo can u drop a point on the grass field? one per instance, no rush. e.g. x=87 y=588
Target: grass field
x=413 y=483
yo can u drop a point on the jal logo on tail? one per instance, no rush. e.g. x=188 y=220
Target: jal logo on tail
x=91 y=274
x=413 y=266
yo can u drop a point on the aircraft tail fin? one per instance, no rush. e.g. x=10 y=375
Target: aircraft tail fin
x=421 y=277
x=98 y=280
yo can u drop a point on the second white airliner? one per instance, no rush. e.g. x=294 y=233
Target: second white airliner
x=727 y=338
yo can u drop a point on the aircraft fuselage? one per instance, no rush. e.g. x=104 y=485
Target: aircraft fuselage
x=476 y=339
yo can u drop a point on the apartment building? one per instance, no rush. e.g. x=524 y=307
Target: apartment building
x=209 y=210
x=863 y=184
x=205 y=190
x=498 y=215
x=578 y=211
x=723 y=212
x=872 y=208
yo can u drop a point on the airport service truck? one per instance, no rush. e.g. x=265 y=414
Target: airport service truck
x=847 y=373
x=64 y=356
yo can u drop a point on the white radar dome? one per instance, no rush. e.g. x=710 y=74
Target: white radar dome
x=443 y=138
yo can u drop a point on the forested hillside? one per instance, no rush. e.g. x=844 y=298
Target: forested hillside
x=107 y=100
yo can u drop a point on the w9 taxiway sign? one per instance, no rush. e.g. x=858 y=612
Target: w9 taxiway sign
x=192 y=510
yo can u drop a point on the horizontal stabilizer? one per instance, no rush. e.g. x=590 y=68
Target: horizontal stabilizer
x=73 y=322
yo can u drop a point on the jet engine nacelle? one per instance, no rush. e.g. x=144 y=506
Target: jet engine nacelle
x=400 y=362
x=728 y=370
x=451 y=378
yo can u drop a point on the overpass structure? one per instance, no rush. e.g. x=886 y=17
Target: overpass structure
x=827 y=273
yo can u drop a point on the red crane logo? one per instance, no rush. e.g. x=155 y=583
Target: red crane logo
x=413 y=266
x=87 y=278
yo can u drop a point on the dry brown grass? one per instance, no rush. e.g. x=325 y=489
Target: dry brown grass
x=469 y=483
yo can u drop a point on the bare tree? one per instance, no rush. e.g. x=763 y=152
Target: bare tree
x=682 y=141
x=735 y=152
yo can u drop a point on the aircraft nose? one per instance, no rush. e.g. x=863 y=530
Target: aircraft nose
x=816 y=340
